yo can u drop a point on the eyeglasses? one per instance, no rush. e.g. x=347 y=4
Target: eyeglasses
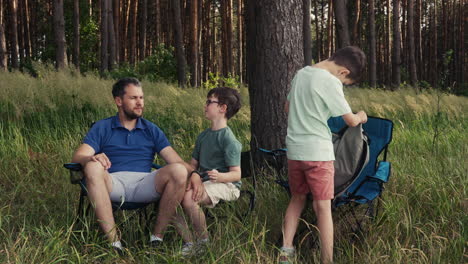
x=208 y=102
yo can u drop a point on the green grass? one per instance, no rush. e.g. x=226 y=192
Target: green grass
x=424 y=207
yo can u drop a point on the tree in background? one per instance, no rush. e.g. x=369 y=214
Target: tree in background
x=3 y=50
x=278 y=26
x=59 y=32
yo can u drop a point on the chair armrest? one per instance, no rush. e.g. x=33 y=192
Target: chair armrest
x=76 y=172
x=383 y=172
x=156 y=166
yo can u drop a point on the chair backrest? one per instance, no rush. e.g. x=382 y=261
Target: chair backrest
x=379 y=132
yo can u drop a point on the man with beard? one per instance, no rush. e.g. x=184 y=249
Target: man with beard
x=117 y=154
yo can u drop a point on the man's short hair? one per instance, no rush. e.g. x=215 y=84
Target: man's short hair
x=118 y=89
x=351 y=57
x=228 y=96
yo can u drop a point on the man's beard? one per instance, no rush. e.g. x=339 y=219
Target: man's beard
x=130 y=114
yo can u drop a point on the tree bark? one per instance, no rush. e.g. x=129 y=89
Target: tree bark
x=111 y=35
x=14 y=49
x=193 y=58
x=410 y=30
x=104 y=36
x=434 y=60
x=76 y=34
x=3 y=50
x=179 y=44
x=116 y=13
x=157 y=20
x=355 y=24
x=226 y=39
x=27 y=33
x=341 y=21
x=143 y=18
x=240 y=40
x=59 y=31
x=306 y=30
x=396 y=54
x=278 y=26
x=330 y=29
x=372 y=46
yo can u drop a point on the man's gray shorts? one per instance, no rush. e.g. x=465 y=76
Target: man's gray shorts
x=137 y=187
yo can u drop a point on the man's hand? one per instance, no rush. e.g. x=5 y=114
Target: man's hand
x=214 y=175
x=103 y=159
x=197 y=185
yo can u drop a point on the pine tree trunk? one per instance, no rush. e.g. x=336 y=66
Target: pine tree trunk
x=116 y=13
x=396 y=54
x=133 y=31
x=240 y=40
x=306 y=31
x=193 y=58
x=318 y=32
x=418 y=37
x=142 y=19
x=14 y=34
x=206 y=36
x=412 y=60
x=111 y=36
x=330 y=29
x=3 y=49
x=157 y=21
x=434 y=60
x=27 y=33
x=226 y=33
x=372 y=46
x=104 y=36
x=355 y=24
x=278 y=26
x=388 y=45
x=341 y=22
x=59 y=31
x=76 y=34
x=179 y=44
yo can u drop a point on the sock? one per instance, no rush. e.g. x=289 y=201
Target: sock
x=203 y=241
x=288 y=250
x=155 y=238
x=117 y=244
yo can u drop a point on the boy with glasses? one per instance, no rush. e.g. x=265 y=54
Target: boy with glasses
x=216 y=168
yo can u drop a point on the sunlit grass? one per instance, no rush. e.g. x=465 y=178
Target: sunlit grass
x=422 y=219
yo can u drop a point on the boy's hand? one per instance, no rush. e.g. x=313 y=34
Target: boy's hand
x=198 y=188
x=363 y=116
x=214 y=175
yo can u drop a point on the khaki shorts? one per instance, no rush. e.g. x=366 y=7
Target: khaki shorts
x=218 y=191
x=137 y=187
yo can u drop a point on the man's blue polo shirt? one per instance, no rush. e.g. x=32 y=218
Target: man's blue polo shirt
x=127 y=150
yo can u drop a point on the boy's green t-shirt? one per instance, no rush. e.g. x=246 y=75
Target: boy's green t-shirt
x=218 y=150
x=315 y=96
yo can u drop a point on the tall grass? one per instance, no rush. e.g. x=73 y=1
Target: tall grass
x=422 y=219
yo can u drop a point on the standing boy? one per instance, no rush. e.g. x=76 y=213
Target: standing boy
x=217 y=157
x=316 y=95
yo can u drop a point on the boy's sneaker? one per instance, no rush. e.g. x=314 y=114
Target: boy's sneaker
x=190 y=249
x=287 y=255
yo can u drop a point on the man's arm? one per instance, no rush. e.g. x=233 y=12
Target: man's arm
x=86 y=153
x=353 y=120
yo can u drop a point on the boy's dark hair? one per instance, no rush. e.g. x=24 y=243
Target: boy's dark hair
x=228 y=96
x=351 y=57
x=118 y=89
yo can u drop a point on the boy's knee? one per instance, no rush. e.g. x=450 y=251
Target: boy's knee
x=298 y=197
x=321 y=206
x=188 y=202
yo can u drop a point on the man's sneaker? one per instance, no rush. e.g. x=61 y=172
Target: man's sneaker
x=287 y=255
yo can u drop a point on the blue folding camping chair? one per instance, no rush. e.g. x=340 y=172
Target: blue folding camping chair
x=368 y=183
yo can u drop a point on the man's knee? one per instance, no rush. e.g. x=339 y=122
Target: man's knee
x=94 y=170
x=178 y=173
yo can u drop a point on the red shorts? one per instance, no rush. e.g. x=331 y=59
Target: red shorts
x=316 y=177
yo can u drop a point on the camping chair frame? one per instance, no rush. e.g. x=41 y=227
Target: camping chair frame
x=77 y=177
